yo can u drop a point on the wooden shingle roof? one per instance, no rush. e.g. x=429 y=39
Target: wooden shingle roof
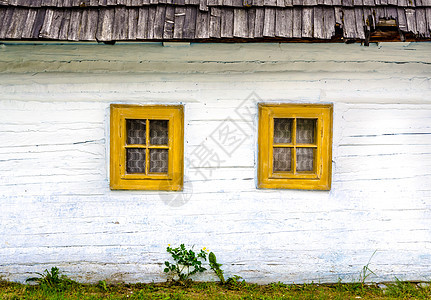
x=216 y=20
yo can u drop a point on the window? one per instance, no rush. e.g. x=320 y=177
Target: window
x=295 y=146
x=147 y=147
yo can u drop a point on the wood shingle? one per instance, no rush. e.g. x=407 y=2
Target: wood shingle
x=134 y=20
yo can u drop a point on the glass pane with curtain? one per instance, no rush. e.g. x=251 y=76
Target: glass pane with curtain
x=159 y=134
x=159 y=160
x=135 y=160
x=282 y=159
x=136 y=131
x=304 y=159
x=305 y=131
x=283 y=131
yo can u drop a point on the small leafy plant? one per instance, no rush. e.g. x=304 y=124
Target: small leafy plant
x=234 y=282
x=52 y=279
x=216 y=267
x=187 y=262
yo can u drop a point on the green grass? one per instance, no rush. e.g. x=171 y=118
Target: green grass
x=212 y=290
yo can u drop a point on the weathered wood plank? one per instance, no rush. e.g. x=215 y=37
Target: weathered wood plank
x=132 y=24
x=180 y=15
x=189 y=28
x=168 y=31
x=236 y=3
x=227 y=23
x=142 y=26
x=259 y=21
x=104 y=24
x=428 y=16
x=307 y=22
x=421 y=22
x=269 y=22
x=203 y=5
x=369 y=18
x=46 y=27
x=380 y=13
x=56 y=24
x=46 y=3
x=159 y=22
x=64 y=27
x=270 y=2
x=202 y=25
x=91 y=25
x=360 y=23
x=411 y=20
x=283 y=22
x=4 y=12
x=74 y=25
x=215 y=22
x=27 y=30
x=318 y=19
x=402 y=20
x=213 y=2
x=119 y=30
x=83 y=26
x=240 y=23
x=349 y=25
x=38 y=22
x=151 y=22
x=17 y=24
x=251 y=18
x=297 y=22
x=391 y=13
x=329 y=22
x=309 y=2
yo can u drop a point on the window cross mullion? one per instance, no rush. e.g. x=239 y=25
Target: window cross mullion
x=147 y=151
x=294 y=147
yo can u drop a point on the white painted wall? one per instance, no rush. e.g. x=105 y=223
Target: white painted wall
x=57 y=208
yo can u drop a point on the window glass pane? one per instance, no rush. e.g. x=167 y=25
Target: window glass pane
x=159 y=132
x=282 y=131
x=305 y=131
x=282 y=159
x=136 y=131
x=304 y=159
x=159 y=160
x=135 y=159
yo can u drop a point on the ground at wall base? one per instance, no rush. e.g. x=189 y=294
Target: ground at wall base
x=213 y=290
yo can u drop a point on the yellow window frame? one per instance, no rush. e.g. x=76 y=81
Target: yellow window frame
x=320 y=177
x=170 y=181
